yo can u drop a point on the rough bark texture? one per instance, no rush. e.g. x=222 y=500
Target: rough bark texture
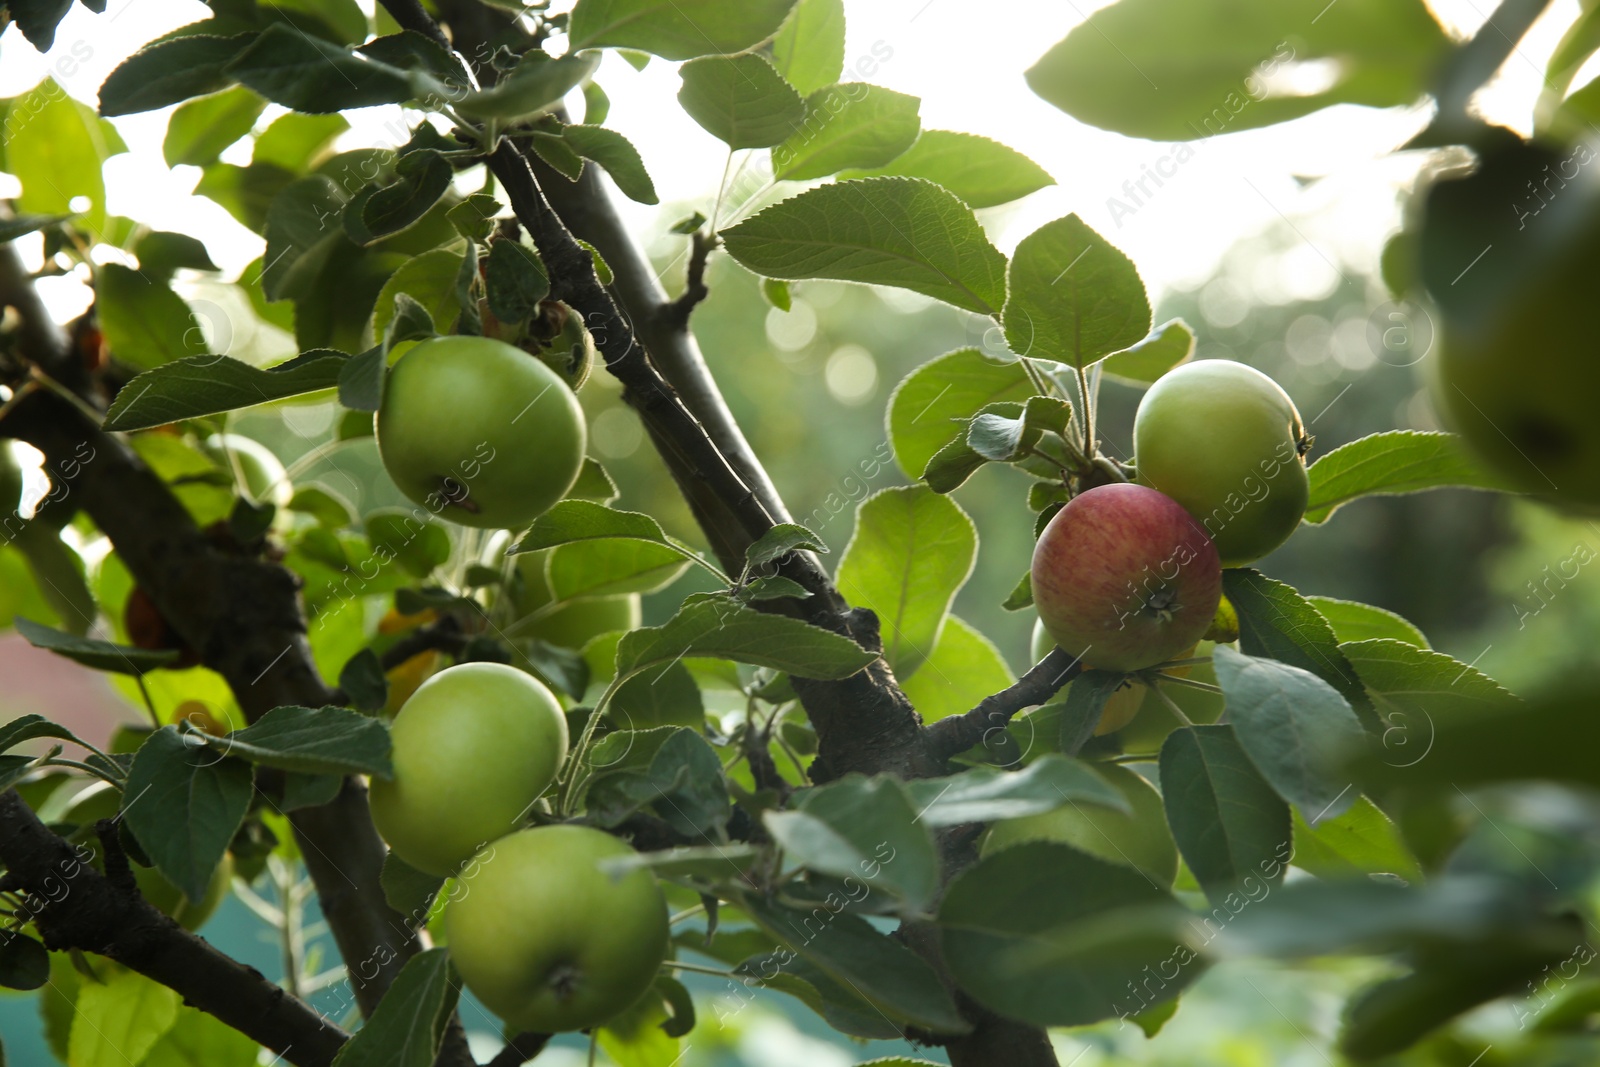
x=74 y=906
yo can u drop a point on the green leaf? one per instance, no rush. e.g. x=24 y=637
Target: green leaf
x=719 y=628
x=1053 y=936
x=27 y=727
x=1167 y=70
x=963 y=668
x=1166 y=347
x=859 y=825
x=776 y=292
x=37 y=20
x=409 y=1024
x=170 y=72
x=670 y=769
x=118 y=1019
x=988 y=794
x=983 y=173
x=309 y=74
x=594 y=484
x=194 y=386
x=850 y=951
x=676 y=29
x=782 y=539
x=1295 y=727
x=1276 y=621
x=363 y=681
x=246 y=193
x=418 y=545
x=184 y=803
x=24 y=962
x=514 y=281
x=1361 y=842
x=296 y=142
x=1085 y=704
x=300 y=223
x=668 y=697
x=911 y=552
x=422 y=177
x=145 y=322
x=583 y=520
x=162 y=253
x=1391 y=463
x=612 y=567
x=534 y=86
x=474 y=217
x=58 y=152
x=1351 y=621
x=92 y=652
x=880 y=231
x=361 y=380
x=201 y=1040
x=1232 y=829
x=22 y=225
x=430 y=280
x=809 y=50
x=327 y=740
x=850 y=125
x=408 y=891
x=931 y=405
x=1073 y=297
x=617 y=155
x=740 y=100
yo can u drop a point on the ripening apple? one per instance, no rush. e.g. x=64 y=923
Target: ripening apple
x=480 y=432
x=1225 y=441
x=101 y=801
x=264 y=477
x=474 y=747
x=571 y=625
x=546 y=939
x=1124 y=579
x=1140 y=840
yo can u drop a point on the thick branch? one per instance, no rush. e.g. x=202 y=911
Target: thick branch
x=947 y=737
x=74 y=906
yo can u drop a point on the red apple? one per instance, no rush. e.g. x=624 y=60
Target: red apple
x=1124 y=578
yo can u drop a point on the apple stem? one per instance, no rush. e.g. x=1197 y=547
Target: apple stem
x=1172 y=705
x=697 y=968
x=1190 y=682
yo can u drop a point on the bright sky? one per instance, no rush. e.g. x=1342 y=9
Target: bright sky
x=967 y=69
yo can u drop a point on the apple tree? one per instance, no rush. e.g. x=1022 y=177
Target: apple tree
x=498 y=780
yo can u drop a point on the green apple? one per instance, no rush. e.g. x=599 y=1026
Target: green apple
x=480 y=432
x=546 y=939
x=474 y=747
x=101 y=801
x=1120 y=707
x=1226 y=442
x=1140 y=840
x=1124 y=579
x=571 y=625
x=264 y=476
x=1522 y=389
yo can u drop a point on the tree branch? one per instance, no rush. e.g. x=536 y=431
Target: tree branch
x=520 y=1049
x=947 y=737
x=676 y=313
x=75 y=907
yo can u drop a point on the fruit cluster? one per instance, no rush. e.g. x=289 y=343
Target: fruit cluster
x=1128 y=576
x=544 y=937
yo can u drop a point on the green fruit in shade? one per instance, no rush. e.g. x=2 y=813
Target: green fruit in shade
x=572 y=625
x=1122 y=705
x=1124 y=578
x=1522 y=390
x=264 y=476
x=474 y=747
x=1140 y=840
x=546 y=939
x=479 y=432
x=101 y=801
x=1226 y=442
